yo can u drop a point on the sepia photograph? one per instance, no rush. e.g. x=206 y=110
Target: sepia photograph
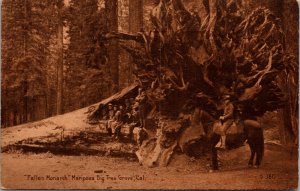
x=149 y=94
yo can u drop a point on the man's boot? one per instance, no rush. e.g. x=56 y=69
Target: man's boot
x=223 y=142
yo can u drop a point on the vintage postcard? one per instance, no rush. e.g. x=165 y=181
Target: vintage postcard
x=149 y=94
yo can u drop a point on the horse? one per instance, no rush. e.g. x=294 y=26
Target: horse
x=252 y=132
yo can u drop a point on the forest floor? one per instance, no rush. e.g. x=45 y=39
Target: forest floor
x=46 y=170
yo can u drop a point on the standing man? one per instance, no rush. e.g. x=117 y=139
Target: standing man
x=118 y=121
x=127 y=112
x=111 y=114
x=141 y=100
x=226 y=119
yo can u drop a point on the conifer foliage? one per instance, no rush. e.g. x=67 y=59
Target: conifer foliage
x=25 y=42
x=86 y=55
x=53 y=59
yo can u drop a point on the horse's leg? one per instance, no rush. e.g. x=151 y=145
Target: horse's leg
x=259 y=148
x=215 y=138
x=215 y=165
x=258 y=160
x=250 y=163
x=259 y=155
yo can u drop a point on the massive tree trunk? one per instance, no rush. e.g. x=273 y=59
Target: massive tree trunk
x=60 y=66
x=288 y=80
x=290 y=19
x=135 y=25
x=111 y=7
x=135 y=16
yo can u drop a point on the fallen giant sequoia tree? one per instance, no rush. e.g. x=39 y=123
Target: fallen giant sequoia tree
x=186 y=63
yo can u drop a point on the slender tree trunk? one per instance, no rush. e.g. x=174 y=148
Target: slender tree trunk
x=111 y=7
x=60 y=66
x=11 y=118
x=16 y=118
x=4 y=107
x=32 y=108
x=48 y=103
x=6 y=118
x=39 y=105
x=26 y=35
x=286 y=127
x=3 y=117
x=25 y=102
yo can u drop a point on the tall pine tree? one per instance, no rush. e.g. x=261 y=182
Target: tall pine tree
x=25 y=41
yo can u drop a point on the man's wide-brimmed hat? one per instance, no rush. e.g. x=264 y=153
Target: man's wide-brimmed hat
x=226 y=97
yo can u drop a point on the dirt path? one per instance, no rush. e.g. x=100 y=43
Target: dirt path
x=40 y=171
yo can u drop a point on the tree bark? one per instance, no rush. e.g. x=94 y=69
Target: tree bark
x=290 y=20
x=25 y=91
x=135 y=16
x=289 y=113
x=60 y=66
x=111 y=8
x=136 y=24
